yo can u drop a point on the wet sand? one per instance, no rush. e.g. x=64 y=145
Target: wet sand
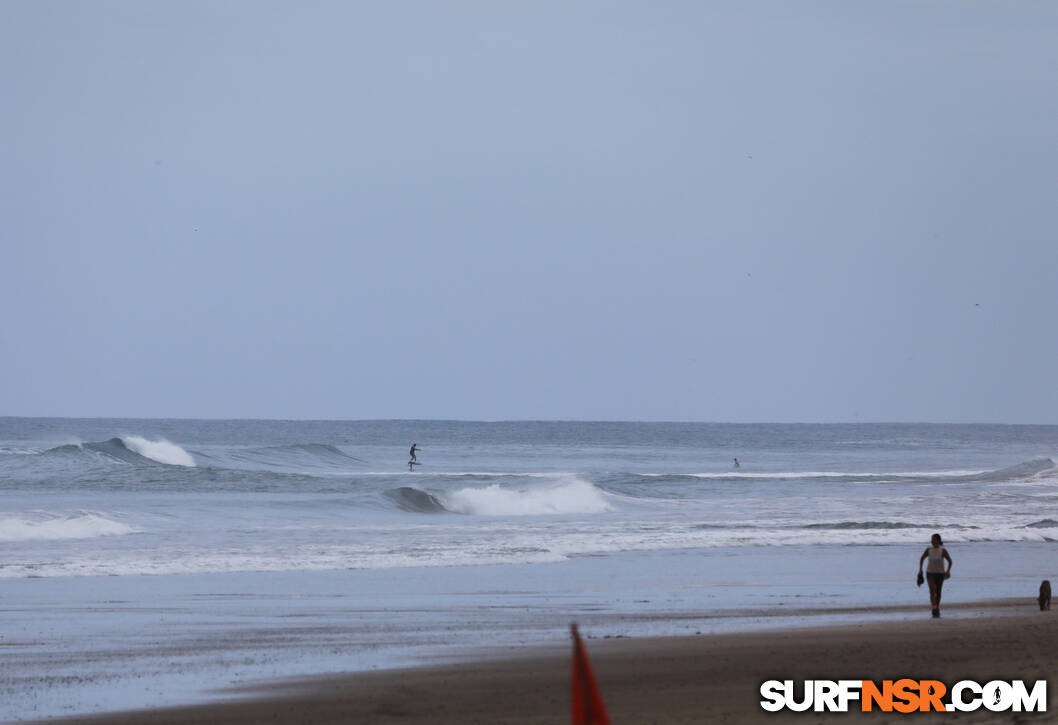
x=694 y=679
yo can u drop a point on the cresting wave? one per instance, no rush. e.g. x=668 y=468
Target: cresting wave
x=1043 y=524
x=160 y=451
x=304 y=457
x=570 y=497
x=414 y=500
x=131 y=449
x=566 y=496
x=56 y=527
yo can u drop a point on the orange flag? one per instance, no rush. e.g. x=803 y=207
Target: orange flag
x=587 y=705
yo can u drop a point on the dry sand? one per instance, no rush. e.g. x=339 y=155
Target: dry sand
x=697 y=679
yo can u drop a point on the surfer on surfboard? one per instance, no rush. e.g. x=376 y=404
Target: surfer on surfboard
x=413 y=461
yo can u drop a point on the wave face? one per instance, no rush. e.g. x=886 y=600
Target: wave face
x=222 y=496
x=129 y=449
x=408 y=498
x=1043 y=524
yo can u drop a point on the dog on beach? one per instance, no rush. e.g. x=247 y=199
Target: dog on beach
x=1045 y=595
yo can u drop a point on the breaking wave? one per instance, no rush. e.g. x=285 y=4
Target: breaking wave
x=131 y=449
x=568 y=497
x=160 y=451
x=52 y=527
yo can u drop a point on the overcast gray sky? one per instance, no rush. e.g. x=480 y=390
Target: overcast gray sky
x=718 y=211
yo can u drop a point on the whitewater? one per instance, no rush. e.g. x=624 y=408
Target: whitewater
x=507 y=528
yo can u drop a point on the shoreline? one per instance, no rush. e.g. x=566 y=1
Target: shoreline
x=689 y=678
x=83 y=647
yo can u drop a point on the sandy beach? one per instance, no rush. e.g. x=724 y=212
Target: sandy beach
x=707 y=678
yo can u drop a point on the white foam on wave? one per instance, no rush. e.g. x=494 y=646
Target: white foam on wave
x=161 y=451
x=51 y=527
x=573 y=496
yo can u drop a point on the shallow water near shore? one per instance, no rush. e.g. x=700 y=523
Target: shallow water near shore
x=93 y=644
x=157 y=562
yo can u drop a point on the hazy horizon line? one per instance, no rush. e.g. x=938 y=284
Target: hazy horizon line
x=518 y=420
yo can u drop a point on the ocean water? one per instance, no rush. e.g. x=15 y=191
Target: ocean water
x=224 y=552
x=132 y=497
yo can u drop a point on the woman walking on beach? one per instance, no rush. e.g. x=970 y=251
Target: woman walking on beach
x=935 y=571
